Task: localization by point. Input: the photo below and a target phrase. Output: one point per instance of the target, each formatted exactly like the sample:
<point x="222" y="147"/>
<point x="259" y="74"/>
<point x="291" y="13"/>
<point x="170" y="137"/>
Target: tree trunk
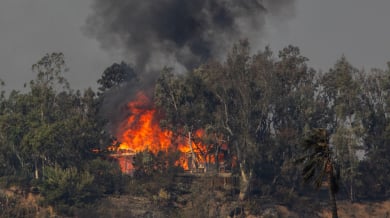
<point x="332" y="194"/>
<point x="194" y="162"/>
<point x="36" y="169"/>
<point x="18" y="156"/>
<point x="245" y="181"/>
<point x="352" y="195"/>
<point x="217" y="158"/>
<point x="352" y="174"/>
<point x="245" y="175"/>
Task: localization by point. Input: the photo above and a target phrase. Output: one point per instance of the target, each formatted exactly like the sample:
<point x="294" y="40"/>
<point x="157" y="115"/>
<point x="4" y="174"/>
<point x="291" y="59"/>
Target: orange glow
<point x="141" y="131"/>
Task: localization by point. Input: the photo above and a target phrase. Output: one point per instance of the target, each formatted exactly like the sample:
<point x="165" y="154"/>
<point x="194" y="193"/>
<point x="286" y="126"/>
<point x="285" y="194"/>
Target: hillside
<point x="190" y="195"/>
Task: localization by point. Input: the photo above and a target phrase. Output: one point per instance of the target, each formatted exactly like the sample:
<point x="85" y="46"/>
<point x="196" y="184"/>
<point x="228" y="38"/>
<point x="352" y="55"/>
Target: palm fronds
<point x="316" y="157"/>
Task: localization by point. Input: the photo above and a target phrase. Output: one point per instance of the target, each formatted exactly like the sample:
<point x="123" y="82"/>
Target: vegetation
<point x="319" y="162"/>
<point x="271" y="111"/>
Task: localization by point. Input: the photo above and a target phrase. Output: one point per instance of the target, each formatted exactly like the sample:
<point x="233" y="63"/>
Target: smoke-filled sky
<point x="182" y="33"/>
<point x="91" y="38"/>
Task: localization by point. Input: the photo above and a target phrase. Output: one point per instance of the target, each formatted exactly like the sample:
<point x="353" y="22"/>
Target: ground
<point x="195" y="196"/>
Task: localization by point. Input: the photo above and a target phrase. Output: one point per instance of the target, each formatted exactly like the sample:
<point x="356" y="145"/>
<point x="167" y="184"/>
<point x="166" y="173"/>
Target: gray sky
<point x="324" y="30"/>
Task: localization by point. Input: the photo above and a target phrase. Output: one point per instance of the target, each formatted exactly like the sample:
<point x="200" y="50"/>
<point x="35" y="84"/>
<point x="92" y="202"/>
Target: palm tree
<point x="318" y="162"/>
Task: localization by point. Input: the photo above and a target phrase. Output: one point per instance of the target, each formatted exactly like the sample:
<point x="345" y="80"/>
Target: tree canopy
<point x="260" y="107"/>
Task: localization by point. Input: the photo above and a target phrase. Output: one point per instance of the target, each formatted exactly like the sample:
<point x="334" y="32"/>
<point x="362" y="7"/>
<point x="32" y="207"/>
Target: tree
<point x="2" y="92"/>
<point x="343" y="87"/>
<point x="291" y="90"/>
<point x="242" y="94"/>
<point x="374" y="173"/>
<point x="3" y="158"/>
<point x="187" y="106"/>
<point x="64" y="188"/>
<point x="347" y="142"/>
<point x="49" y="126"/>
<point x="49" y="78"/>
<point x="116" y="75"/>
<point x="107" y="176"/>
<point x="13" y="126"/>
<point x="49" y="70"/>
<point x="318" y="162"/>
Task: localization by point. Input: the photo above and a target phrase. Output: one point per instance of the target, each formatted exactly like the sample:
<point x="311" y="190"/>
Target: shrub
<point x="66" y="188"/>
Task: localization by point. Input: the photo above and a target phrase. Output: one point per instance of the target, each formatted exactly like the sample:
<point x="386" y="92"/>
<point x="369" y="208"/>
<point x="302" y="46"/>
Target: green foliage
<point x="107" y="176"/>
<point x="373" y="174"/>
<point x="241" y="107"/>
<point x="147" y="164"/>
<point x="49" y="70"/>
<point x="116" y="75"/>
<point x="374" y="177"/>
<point x="50" y="125"/>
<point x="68" y="187"/>
<point x="2" y="92"/>
<point x="318" y="162"/>
<point x="258" y="105"/>
<point x="317" y="157"/>
<point x="154" y="175"/>
<point x="47" y="136"/>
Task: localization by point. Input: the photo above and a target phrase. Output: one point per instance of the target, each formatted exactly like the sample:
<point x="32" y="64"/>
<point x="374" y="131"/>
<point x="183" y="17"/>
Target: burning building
<point x="140" y="131"/>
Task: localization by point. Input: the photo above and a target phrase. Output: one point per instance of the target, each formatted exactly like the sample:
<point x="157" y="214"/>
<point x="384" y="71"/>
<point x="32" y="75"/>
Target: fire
<point x="141" y="131"/>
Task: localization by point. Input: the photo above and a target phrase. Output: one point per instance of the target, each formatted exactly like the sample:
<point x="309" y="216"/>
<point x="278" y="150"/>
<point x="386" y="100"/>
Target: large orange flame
<point x="141" y="131"/>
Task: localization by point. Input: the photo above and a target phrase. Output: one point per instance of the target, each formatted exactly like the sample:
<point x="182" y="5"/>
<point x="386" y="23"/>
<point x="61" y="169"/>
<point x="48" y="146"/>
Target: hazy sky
<point x="324" y="30"/>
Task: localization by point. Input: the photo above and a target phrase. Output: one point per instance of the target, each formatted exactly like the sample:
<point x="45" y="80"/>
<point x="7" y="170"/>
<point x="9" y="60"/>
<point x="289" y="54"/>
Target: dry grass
<point x="367" y="209"/>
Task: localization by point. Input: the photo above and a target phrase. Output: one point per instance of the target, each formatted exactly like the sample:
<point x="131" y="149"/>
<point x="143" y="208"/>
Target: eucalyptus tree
<point x="376" y="91"/>
<point x="11" y="127"/>
<point x="49" y="78"/>
<point x="243" y="110"/>
<point x="51" y="125"/>
<point x="187" y="106"/>
<point x="374" y="177"/>
<point x="292" y="95"/>
<point x="342" y="87"/>
<point x="258" y="103"/>
<point x="293" y="89"/>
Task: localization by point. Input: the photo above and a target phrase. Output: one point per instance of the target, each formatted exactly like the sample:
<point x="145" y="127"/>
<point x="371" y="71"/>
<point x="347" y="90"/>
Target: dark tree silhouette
<point x="318" y="163"/>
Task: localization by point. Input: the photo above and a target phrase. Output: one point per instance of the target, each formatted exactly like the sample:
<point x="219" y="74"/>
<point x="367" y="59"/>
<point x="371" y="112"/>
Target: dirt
<point x="364" y="209"/>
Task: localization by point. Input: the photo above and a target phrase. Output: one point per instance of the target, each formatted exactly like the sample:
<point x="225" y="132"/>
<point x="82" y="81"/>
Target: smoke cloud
<point x="176" y="33"/>
<point x="179" y="33"/>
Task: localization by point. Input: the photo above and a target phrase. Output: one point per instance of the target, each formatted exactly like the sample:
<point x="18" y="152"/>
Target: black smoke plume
<point x="176" y="33"/>
<point x="179" y="33"/>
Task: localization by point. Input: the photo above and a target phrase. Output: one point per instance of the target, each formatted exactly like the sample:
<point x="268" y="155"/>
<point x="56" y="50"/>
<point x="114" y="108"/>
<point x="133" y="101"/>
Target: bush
<point x="67" y="188"/>
<point x="147" y="164"/>
<point x="107" y="176"/>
